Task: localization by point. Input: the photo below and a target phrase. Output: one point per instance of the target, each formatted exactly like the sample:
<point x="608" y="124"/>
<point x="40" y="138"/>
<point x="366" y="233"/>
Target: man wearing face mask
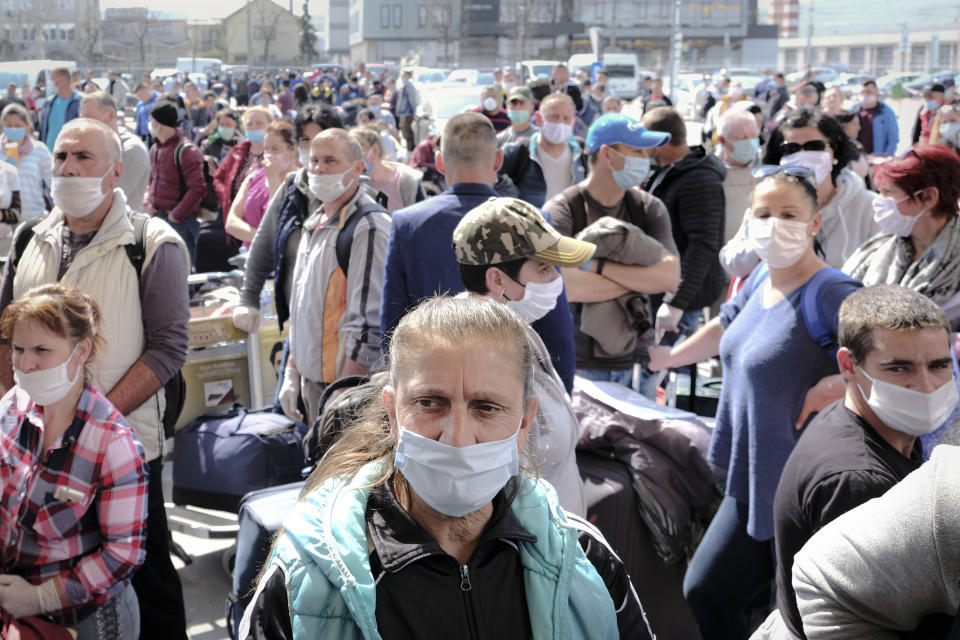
<point x="895" y="361"/>
<point x="738" y="145"/>
<point x="619" y="149"/>
<point x="690" y="183"/>
<point x="490" y="106"/>
<point x="552" y="160"/>
<point x="336" y="329"/>
<point x="101" y="106"/>
<point x="934" y="97"/>
<point x="82" y="242"/>
<point x="177" y="185"/>
<point x="879" y="130"/>
<point x="520" y="112"/>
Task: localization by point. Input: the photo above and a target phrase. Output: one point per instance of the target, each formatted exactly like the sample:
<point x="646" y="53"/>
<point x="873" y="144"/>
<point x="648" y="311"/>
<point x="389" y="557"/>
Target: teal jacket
<point x="324" y="555"/>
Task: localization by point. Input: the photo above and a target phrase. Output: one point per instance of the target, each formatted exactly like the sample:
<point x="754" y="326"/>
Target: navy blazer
<point x="421" y="263"/>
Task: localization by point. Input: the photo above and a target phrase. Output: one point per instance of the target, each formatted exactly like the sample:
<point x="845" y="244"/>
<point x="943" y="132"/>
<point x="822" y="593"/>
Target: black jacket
<point x="692" y="190"/>
<point x="422" y="592"/>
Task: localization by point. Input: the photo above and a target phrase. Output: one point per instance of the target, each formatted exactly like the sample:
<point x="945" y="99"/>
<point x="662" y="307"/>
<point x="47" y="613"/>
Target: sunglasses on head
<point x="789" y="148"/>
<point x="794" y="171"/>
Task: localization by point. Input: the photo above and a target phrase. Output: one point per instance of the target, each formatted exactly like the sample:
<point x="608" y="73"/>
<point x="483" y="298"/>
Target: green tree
<point x="308" y="35"/>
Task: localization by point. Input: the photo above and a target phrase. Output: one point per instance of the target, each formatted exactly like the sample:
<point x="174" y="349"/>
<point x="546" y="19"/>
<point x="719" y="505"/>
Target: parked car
<point x="825" y="75"/>
<point x="470" y="77"/>
<point x="887" y="83"/>
<point x="423" y="76"/>
<point x="688" y="85"/>
<point x="915" y="87"/>
<point x="849" y="83"/>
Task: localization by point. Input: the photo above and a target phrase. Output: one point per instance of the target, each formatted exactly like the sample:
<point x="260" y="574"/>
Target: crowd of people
<point x="553" y="232"/>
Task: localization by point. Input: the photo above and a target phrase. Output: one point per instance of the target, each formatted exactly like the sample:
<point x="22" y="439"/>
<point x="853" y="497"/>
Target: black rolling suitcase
<point x="612" y="507"/>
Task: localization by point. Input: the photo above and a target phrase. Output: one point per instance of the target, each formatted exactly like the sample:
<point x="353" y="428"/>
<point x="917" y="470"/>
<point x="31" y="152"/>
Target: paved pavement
<point x="206" y="582"/>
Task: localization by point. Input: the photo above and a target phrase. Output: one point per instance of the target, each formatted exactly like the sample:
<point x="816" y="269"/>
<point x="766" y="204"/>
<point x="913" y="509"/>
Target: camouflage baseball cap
<point x="505" y="229"/>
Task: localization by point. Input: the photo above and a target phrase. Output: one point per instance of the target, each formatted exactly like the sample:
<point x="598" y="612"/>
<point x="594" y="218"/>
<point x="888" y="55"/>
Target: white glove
<point x="290" y="393"/>
<point x="20" y="599"/>
<point x="246" y="318"/>
<point x="668" y="319"/>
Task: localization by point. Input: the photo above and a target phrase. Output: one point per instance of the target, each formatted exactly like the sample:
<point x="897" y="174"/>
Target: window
<point x="884" y="59"/>
<point x="397" y="16"/>
<point x="945" y="57"/>
<point x="790" y="58"/>
<point x="423" y="20"/>
<point x="385" y="16"/>
<point x="918" y="57"/>
<point x="833" y="54"/>
<point x="857" y="58"/>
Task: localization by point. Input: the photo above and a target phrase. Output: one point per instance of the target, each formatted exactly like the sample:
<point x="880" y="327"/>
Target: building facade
<point x="332" y="20"/>
<point x="141" y="36"/>
<point x="876" y="52"/>
<point x="269" y="31"/>
<point x="55" y="29"/>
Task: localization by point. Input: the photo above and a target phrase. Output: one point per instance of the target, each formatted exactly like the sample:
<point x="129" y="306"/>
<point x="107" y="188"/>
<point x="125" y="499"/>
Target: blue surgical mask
<point x="634" y="171"/>
<point x="255" y="136"/>
<point x="518" y="116"/>
<point x="933" y="105"/>
<point x="226" y="133"/>
<point x="745" y="151"/>
<point x="375" y="109"/>
<point x="14" y="134"/>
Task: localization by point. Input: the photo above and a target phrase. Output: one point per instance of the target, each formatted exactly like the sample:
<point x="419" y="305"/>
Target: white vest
<point x="103" y="270"/>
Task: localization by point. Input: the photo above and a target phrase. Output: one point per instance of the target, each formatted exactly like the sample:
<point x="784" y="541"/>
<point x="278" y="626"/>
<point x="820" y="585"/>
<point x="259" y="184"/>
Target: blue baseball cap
<point x="613" y="128"/>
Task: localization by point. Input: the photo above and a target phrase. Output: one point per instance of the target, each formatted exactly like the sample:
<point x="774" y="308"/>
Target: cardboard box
<point x="216" y="378"/>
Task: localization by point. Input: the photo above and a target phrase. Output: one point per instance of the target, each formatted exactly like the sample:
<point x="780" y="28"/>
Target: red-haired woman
<point x="919" y="246"/>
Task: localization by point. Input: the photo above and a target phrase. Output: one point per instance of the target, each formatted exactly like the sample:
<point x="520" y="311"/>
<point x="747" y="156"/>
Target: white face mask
<point x="48" y="386"/>
<point x="908" y="411"/>
<point x="304" y="156"/>
<point x="328" y="187"/>
<point x="818" y="161"/>
<point x="780" y="242"/>
<point x="890" y="220"/>
<point x="78" y="197"/>
<point x="456" y="480"/>
<point x="556" y="132"/>
<point x="152" y="127"/>
<point x="539" y="298"/>
<point x="489" y="104"/>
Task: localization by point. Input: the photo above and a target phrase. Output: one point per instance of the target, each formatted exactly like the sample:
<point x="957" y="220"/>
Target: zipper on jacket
<point x="465" y="588"/>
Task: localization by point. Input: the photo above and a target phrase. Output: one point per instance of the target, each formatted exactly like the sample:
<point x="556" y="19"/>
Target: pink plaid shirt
<point x="81" y="514"/>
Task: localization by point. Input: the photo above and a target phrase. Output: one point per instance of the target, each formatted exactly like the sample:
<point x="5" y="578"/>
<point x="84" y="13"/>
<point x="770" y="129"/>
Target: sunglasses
<point x="789" y="148"/>
<point x="794" y="171"/>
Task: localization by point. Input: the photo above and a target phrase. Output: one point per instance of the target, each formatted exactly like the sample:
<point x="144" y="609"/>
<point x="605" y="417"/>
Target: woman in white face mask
<point x="279" y="159"/>
<point x="919" y="246"/>
<point x="522" y="273"/>
<point x="811" y="139"/>
<point x="776" y="376"/>
<point x="423" y="515"/>
<point x="73" y="482"/>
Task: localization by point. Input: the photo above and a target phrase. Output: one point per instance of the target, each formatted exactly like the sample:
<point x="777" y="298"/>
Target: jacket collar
<point x="116" y="225"/>
<point x="399" y="540"/>
<point x="471" y="189"/>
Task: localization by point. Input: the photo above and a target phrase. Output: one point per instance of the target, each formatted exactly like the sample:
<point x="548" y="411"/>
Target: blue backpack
<point x="811" y="307"/>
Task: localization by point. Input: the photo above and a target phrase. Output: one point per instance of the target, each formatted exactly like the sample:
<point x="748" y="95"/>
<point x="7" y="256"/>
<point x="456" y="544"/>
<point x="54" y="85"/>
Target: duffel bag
<point x="220" y="457"/>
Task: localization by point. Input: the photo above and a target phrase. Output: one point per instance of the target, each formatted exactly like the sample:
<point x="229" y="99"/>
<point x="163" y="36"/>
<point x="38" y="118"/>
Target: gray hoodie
<point x="879" y="569"/>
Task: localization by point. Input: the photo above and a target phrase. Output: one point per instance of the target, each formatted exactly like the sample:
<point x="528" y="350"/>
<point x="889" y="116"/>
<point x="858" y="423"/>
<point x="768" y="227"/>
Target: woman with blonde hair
<point x="421" y="517"/>
<point x="279" y="159"/>
<point x="73" y="481"/>
<point x="244" y="158"/>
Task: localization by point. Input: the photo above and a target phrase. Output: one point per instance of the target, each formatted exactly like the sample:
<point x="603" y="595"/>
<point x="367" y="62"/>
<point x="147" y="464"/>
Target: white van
<point x="29" y="72"/>
<point x="625" y="74"/>
<point x="199" y="65"/>
<point x="581" y="62"/>
<point x="532" y="69"/>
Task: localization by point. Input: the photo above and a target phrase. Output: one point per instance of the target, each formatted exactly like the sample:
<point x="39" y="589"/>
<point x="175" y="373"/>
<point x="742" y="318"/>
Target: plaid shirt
<point x="80" y="515"/>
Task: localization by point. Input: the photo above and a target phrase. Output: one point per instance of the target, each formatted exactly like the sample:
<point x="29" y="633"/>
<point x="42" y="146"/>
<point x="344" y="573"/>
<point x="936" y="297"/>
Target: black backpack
<point x="175" y="390"/>
<point x="342" y="412"/>
<point x="210" y="200"/>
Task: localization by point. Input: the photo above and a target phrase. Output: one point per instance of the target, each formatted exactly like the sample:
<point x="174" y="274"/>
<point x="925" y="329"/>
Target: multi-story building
<point x="332" y="20"/>
<point x="55" y="29"/>
<point x="714" y="33"/>
<point x="786" y="15"/>
<point x="138" y="35"/>
<point x="269" y="31"/>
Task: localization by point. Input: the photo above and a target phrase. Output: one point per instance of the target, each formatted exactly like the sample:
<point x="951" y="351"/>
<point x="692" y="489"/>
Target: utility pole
<point x="676" y="51"/>
<point x="249" y="36"/>
<point x="904" y="46"/>
<point x="808" y="54"/>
